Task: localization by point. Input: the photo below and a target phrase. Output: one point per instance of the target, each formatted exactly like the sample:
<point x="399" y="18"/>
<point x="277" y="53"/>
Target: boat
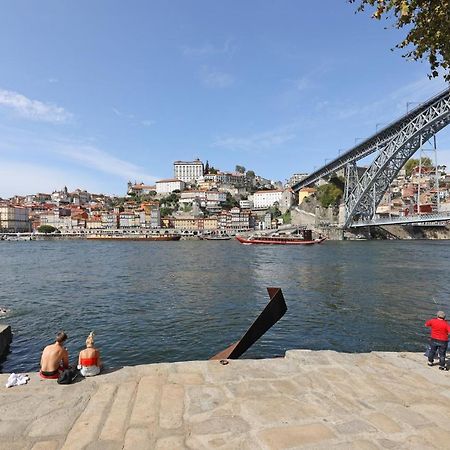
<point x="130" y="237"/>
<point x="303" y="237"/>
<point x="216" y="237"/>
<point x="17" y="238"/>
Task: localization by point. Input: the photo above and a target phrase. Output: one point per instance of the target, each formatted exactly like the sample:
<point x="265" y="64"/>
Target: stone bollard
<point x="5" y="338"/>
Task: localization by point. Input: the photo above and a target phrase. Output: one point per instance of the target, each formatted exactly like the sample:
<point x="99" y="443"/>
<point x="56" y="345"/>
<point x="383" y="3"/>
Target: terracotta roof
<point x="170" y="180"/>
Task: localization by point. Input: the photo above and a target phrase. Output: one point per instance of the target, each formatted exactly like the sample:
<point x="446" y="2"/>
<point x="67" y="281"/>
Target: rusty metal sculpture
<point x="272" y="313"/>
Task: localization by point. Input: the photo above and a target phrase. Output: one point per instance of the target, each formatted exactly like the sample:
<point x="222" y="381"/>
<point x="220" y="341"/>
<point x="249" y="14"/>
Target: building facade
<point x="188" y="171"/>
<point x="266" y="199"/>
<point x="168" y="186"/>
<point x="14" y="218"/>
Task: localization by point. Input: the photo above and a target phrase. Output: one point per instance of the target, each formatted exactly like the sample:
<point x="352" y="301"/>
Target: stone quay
<point x="308" y="399"/>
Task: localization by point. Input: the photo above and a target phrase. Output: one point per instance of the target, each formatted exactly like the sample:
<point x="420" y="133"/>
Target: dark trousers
<point x="441" y="348"/>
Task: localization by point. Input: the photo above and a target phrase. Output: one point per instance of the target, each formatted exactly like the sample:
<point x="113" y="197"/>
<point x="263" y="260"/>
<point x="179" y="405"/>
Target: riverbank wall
<point x="308" y="399"/>
<point x="5" y="338"/>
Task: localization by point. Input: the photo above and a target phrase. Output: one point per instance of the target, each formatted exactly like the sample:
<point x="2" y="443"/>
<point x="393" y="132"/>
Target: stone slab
<point x="311" y="400"/>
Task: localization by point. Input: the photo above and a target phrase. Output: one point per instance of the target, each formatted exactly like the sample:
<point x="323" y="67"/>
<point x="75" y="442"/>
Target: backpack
<point x="68" y="376"/>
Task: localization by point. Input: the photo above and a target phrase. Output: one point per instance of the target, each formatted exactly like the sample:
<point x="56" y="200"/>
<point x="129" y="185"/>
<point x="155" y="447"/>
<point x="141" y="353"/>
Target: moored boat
<point x="130" y="237"/>
<point x="302" y="238"/>
<point x="217" y="237"/>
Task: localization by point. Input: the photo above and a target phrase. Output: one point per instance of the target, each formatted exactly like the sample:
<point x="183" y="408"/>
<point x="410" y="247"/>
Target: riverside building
<point x="14" y="218"/>
<point x="266" y="199"/>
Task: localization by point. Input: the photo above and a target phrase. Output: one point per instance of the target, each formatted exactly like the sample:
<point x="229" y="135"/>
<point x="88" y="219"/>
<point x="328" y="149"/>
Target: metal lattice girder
<point x="372" y="144"/>
<point x="364" y="195"/>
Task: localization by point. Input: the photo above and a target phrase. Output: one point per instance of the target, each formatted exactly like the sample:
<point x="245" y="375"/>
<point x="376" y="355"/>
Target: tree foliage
<point x="275" y="210"/>
<point x="428" y="24"/>
<point x="411" y="163"/>
<point x="166" y="211"/>
<point x="329" y="194"/>
<point x="287" y="217"/>
<point x="46" y="229"/>
<point x="240" y="169"/>
<point x="230" y="202"/>
<point x="250" y="174"/>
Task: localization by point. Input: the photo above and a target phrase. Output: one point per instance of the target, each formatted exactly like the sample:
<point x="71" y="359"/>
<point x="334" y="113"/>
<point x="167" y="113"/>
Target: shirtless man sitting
<point x="55" y="358"/>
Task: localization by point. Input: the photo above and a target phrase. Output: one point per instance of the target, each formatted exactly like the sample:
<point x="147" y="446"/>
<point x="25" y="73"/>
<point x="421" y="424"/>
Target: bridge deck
<point x="369" y="145"/>
<point x="439" y="218"/>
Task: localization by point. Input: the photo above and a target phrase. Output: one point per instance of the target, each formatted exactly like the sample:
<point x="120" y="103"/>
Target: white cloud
<point x="19" y="178"/>
<point x="33" y="109"/>
<point x="391" y="105"/>
<point x="208" y="49"/>
<point x="215" y="79"/>
<point x="81" y="162"/>
<point x="302" y="83"/>
<point x="133" y="119"/>
<point x="97" y="159"/>
<point x="259" y="141"/>
<point x="53" y="80"/>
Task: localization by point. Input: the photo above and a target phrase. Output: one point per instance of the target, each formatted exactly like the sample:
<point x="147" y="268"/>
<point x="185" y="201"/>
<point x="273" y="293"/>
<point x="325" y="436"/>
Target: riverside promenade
<point x="309" y="399"/>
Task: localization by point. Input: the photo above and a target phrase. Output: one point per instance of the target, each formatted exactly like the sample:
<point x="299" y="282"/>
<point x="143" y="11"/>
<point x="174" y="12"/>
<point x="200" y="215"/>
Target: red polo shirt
<point x="439" y="329"/>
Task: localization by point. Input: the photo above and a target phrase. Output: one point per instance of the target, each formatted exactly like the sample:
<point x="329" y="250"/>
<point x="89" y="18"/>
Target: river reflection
<point x="172" y="301"/>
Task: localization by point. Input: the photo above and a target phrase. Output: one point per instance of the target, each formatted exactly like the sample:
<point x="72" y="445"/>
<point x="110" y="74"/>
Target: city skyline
<point x="94" y="95"/>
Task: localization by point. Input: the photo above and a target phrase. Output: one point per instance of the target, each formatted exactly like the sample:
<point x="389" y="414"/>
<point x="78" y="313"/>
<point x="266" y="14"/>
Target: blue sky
<point x="94" y="93"/>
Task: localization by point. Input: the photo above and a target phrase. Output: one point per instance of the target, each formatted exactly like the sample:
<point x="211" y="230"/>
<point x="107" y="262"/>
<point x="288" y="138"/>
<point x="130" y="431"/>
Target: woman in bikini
<point x="89" y="361"/>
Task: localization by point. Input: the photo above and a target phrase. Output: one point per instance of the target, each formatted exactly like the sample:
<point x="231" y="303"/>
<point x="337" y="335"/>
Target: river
<point x="172" y="301"/>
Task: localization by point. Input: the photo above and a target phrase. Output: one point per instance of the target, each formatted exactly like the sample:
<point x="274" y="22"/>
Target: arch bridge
<point x="393" y="145"/>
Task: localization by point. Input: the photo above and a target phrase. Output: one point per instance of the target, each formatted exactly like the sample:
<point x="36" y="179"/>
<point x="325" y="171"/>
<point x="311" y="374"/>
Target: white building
<point x="296" y="177"/>
<point x="59" y="218"/>
<point x="266" y="199"/>
<point x="110" y="220"/>
<point x="14" y="218"/>
<point x="246" y="204"/>
<point x="129" y="219"/>
<point x="206" y="199"/>
<point x="168" y="186"/>
<point x="188" y="171"/>
<point x="232" y="178"/>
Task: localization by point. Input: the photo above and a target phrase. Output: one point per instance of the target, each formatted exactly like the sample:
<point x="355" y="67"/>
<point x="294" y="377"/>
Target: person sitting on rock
<point x="55" y="358"/>
<point x="89" y="361"/>
<point x="438" y="339"/>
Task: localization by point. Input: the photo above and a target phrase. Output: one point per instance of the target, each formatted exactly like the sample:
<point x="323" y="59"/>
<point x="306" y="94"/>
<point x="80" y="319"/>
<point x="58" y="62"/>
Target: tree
<point x="329" y="194"/>
<point x="240" y="169"/>
<point x="411" y="163"/>
<point x="250" y="174"/>
<point x="230" y="202"/>
<point x="428" y="23"/>
<point x="287" y="217"/>
<point x="274" y="210"/>
<point x="165" y="211"/>
<point x="206" y="168"/>
<point x="46" y="229"/>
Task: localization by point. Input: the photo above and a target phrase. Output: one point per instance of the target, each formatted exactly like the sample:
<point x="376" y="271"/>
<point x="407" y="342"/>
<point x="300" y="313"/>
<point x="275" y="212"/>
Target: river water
<point x="172" y="301"/>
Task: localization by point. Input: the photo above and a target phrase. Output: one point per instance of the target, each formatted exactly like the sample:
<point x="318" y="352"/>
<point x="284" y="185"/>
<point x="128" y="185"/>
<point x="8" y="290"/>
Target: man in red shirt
<point x="438" y="339"/>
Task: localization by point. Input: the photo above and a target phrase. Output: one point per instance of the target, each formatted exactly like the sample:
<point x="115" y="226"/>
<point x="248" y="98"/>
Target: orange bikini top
<point x="86" y="362"/>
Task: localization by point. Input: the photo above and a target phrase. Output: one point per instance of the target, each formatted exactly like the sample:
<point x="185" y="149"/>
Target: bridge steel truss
<point x="394" y="145"/>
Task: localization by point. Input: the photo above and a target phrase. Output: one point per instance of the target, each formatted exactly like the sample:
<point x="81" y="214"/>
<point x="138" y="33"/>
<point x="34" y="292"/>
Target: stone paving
<point x="316" y="400"/>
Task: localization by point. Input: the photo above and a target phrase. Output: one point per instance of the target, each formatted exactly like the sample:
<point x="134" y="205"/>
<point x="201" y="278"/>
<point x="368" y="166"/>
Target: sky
<point x="96" y="93"/>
